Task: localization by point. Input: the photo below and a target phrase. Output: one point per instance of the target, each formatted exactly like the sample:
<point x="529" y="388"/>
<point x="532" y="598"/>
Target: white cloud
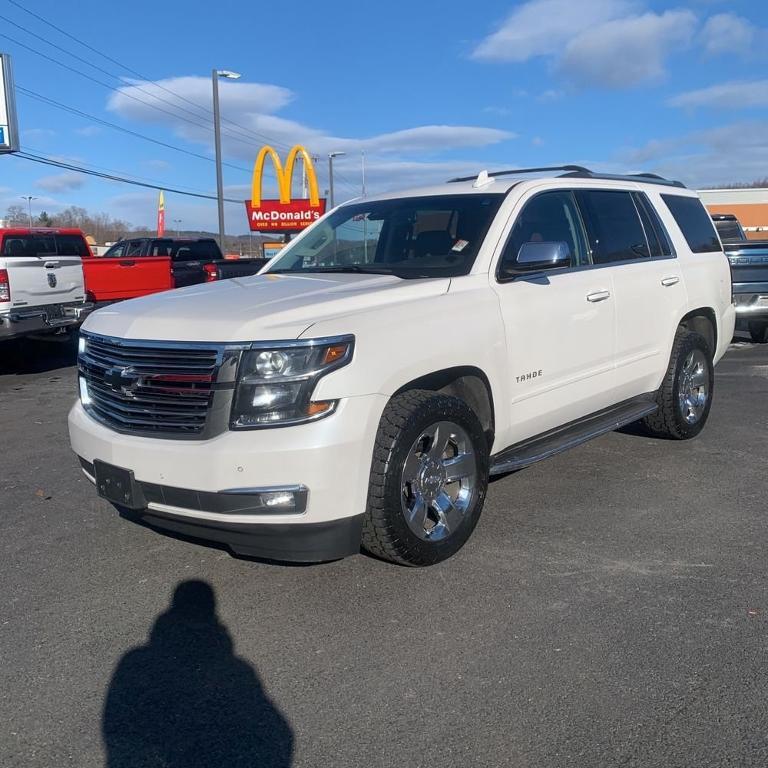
<point x="61" y="182"/>
<point x="253" y="106"/>
<point x="88" y="131"/>
<point x="726" y="33"/>
<point x="37" y="133"/>
<point x="731" y="153"/>
<point x="550" y="95"/>
<point x="543" y="27"/>
<point x="739" y="94"/>
<point x="627" y="52"/>
<point x="608" y="43"/>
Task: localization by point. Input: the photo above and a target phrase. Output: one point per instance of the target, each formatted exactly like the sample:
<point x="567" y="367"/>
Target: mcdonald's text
<point x="276" y="216"/>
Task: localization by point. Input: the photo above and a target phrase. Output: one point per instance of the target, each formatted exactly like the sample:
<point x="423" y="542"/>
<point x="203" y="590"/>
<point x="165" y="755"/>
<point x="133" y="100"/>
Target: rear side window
<point x="205" y="251"/>
<point x="658" y="239"/>
<point x="694" y="222"/>
<point x="613" y="225"/>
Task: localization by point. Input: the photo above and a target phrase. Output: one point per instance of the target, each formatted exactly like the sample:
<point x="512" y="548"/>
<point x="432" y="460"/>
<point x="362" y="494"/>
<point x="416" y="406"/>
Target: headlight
<point x="275" y="383"/>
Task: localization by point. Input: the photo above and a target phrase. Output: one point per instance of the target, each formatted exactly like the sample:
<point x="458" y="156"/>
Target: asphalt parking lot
<point x="610" y="610"/>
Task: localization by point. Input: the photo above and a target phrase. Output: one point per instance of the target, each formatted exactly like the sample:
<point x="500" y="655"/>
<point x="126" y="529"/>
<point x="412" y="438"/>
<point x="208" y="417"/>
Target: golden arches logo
<point x="284" y="175"/>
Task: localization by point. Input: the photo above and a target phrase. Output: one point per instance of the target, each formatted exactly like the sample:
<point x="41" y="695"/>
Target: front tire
<point x="429" y="477"/>
<point x="685" y="395"/>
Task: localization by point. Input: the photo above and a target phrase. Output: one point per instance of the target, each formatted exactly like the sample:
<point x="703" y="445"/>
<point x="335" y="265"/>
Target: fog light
<point x="81" y="344"/>
<point x="278" y="499"/>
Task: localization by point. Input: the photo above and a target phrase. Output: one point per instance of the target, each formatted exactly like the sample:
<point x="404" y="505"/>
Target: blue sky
<point x="426" y="89"/>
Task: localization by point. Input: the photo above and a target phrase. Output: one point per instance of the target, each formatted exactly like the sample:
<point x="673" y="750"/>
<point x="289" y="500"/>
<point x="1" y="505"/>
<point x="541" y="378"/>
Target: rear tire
<point x="685" y="395"/>
<point x="429" y="477"/>
<point x="758" y="332"/>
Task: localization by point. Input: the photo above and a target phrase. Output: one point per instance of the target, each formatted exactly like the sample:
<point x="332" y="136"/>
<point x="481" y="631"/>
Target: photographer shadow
<point x="185" y="699"/>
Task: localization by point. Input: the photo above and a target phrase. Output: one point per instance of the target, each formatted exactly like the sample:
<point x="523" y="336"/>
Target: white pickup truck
<point x="41" y="280"/>
<point x="361" y="390"/>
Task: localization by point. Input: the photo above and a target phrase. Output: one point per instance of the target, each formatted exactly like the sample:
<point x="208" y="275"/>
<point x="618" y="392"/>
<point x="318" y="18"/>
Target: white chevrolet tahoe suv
<point x="361" y="390"/>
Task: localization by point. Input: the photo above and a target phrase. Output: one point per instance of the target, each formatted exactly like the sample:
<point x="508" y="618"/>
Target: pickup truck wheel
<point x="758" y="332"/>
<point x="429" y="477"/>
<point x="685" y="396"/>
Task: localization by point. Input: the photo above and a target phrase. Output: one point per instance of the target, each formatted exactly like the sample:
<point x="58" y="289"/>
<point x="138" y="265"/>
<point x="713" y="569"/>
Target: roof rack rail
<point x="518" y="171"/>
<point x="578" y="172"/>
<point x="646" y="178"/>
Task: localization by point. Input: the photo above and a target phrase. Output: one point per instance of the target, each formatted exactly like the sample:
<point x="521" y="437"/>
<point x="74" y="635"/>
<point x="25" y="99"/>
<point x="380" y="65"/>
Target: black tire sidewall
<point x="691" y="342"/>
<point x="438" y="408"/>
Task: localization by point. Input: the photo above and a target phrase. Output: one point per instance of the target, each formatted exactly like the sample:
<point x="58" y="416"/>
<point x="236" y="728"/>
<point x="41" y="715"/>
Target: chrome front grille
<point x="148" y="388"/>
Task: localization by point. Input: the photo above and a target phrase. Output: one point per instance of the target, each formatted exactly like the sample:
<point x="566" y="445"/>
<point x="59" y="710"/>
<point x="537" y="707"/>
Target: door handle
<point x="51" y="265"/>
<point x="598" y="296"/>
<point x="672" y="280"/>
<point x="127" y="263"/>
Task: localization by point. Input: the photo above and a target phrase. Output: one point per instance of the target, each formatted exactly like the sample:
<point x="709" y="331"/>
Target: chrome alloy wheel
<point x="693" y="386"/>
<point x="438" y="481"/>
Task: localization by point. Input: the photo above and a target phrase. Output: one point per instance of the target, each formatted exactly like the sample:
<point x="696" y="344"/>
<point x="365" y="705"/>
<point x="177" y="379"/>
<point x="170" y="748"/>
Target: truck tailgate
<point x="39" y="281"/>
<point x="112" y="279"/>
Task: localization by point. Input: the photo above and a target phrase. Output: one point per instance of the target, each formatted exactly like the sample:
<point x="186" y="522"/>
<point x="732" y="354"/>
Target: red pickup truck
<point x="110" y="279"/>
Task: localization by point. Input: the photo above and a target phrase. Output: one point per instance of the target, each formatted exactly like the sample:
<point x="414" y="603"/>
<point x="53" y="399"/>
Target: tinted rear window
<point x="44" y="245"/>
<point x="694" y="222"/>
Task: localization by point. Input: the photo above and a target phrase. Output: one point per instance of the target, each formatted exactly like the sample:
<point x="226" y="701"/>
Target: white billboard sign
<point x="9" y="128"/>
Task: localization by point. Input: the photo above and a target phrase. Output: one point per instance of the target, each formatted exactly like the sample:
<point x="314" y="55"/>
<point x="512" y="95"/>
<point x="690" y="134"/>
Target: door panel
<point x="561" y="348"/>
<point x="650" y="300"/>
<point x="560" y="323"/>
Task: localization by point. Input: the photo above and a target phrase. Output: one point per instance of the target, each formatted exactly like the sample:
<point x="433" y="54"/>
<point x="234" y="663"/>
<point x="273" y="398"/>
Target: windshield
<point x="409" y="237"/>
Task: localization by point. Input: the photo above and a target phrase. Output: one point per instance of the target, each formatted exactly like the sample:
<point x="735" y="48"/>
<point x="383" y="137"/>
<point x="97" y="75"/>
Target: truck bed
<point x="115" y="279"/>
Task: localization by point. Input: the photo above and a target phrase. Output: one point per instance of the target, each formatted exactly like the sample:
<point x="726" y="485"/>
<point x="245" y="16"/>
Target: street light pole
<point x="215" y="75"/>
<point x="29" y="200"/>
<point x="177" y="222"/>
<point x="331" y="155"/>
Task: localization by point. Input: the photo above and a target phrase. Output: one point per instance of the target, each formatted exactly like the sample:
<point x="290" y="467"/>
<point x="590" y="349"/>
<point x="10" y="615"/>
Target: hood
<point x="261" y="307"/>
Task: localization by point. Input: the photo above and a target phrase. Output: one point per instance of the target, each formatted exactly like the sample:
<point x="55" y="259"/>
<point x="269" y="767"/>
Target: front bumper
<point x="24" y="321"/>
<point x="331" y="458"/>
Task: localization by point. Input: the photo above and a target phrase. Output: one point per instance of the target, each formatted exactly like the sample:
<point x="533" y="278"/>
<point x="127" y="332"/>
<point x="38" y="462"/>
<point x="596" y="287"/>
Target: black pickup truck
<point x="192" y="260"/>
<point x="749" y="272"/>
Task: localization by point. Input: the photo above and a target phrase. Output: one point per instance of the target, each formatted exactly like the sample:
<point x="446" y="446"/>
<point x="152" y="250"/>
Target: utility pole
<point x="29" y="200"/>
<point x="362" y="161"/>
<point x="215" y="75"/>
<point x="331" y="155"/>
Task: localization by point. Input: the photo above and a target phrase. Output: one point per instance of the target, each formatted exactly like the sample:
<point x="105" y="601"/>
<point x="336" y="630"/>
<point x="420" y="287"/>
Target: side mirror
<point x="545" y="255"/>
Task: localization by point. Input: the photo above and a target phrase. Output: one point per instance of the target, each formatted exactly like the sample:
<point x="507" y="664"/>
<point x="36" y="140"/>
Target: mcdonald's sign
<point x="284" y="214"/>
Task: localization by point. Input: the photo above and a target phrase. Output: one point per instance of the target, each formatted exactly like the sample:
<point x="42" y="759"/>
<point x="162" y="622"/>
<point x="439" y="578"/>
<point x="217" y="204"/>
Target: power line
<point x="92" y="166"/>
<point x="260" y="136"/>
<point x="109" y="87"/>
<point x="72" y="110"/>
<point x="113" y="177"/>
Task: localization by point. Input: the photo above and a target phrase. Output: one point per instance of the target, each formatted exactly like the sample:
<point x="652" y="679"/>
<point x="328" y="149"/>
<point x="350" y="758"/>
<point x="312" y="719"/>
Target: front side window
<point x="550" y="221"/>
<point x="613" y="225"/>
<point x="436" y="236"/>
<point x="117" y="251"/>
<point x="134" y="248"/>
<point x="694" y="222"/>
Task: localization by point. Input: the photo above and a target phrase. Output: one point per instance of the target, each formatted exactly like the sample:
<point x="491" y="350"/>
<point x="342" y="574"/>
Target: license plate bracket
<point x="118" y="485"/>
